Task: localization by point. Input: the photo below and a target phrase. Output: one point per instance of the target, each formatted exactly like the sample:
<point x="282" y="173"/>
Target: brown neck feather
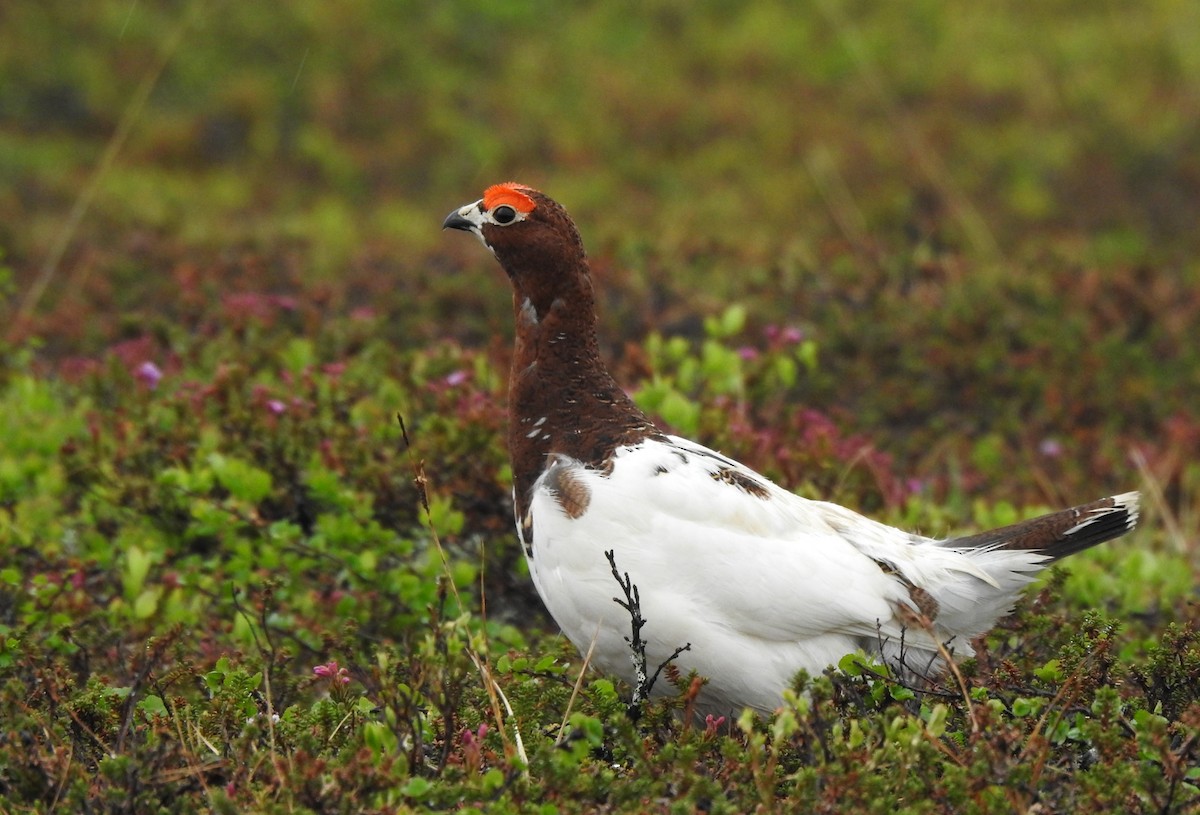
<point x="561" y="399"/>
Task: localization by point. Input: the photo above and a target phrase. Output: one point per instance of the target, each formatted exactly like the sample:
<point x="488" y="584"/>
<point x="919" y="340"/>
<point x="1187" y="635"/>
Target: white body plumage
<point x="760" y="582"/>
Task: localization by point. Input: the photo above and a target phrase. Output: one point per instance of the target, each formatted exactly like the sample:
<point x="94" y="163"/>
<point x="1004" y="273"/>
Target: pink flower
<point x="792" y="335"/>
<point x="473" y="747"/>
<point x="275" y="406"/>
<point x="330" y="670"/>
<point x="712" y="725"/>
<point x="788" y="335"/>
<point x="148" y="374"/>
<point x="471" y="738"/>
<point x="457" y="378"/>
<point x="748" y="353"/>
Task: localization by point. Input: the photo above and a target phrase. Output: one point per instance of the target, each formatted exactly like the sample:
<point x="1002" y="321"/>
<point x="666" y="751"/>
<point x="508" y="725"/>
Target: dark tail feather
<point x="1062" y="533"/>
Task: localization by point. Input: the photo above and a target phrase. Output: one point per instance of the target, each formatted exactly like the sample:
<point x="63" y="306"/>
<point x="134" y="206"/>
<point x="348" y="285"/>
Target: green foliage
<point x="897" y="256"/>
<point x="240" y="582"/>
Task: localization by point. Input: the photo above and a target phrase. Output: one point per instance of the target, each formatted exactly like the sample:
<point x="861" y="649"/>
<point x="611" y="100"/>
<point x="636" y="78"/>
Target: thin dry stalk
<point x="1154" y="490"/>
<point x="495" y="694"/>
<point x="838" y="198"/>
<point x="587" y="659"/>
<point x="84" y="202"/>
<point x="924" y="622"/>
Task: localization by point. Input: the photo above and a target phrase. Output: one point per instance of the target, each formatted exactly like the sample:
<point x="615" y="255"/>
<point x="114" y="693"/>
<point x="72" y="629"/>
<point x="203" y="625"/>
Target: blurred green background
<point x="985" y="213"/>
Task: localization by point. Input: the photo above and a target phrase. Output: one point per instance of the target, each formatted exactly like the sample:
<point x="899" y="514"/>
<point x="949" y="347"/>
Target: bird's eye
<point x="504" y="215"/>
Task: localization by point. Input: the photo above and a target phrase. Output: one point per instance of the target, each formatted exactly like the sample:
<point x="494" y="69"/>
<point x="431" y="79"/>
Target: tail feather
<point x="1061" y="533"/>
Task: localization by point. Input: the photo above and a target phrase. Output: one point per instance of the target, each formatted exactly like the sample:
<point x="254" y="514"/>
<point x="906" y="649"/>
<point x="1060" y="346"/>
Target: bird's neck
<point x="561" y="399"/>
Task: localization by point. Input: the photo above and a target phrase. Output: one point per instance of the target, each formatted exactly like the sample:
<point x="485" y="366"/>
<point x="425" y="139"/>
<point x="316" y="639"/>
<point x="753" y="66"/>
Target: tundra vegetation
<point x="935" y="261"/>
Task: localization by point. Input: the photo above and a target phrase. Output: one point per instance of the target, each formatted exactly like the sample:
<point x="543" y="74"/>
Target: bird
<point x="757" y="582"/>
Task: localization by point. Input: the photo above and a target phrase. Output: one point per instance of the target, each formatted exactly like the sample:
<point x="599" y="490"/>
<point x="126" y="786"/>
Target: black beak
<point x="456" y="221"/>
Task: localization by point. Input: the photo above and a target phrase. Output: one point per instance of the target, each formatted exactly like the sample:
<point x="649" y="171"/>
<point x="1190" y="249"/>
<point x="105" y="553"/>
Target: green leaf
<point x="785" y="371"/>
<point x="381" y="740"/>
<point x="806" y="353"/>
<point x="152" y="705"/>
<point x="1022" y="707"/>
<point x="851" y="664"/>
<point x="137" y="566"/>
<point x="936" y="725"/>
<point x="591" y="728"/>
<point x="731" y="322"/>
<point x="493" y="780"/>
<point x="299" y="355"/>
<point x="147" y="603"/>
<point x="604" y="690"/>
<point x="1050" y="672"/>
<point x="444" y="518"/>
<point x="680" y="412"/>
<point x="243" y="481"/>
<point x="416" y="787"/>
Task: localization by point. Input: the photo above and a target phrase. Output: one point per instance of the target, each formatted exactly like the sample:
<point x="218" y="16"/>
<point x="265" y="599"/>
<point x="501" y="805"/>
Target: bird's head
<point x="530" y="234"/>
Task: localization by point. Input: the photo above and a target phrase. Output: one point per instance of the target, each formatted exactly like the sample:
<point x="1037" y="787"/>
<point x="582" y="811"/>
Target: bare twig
<point x="643" y="681"/>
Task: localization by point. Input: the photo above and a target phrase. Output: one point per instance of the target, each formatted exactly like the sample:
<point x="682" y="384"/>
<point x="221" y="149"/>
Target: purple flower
<point x="275" y="406"/>
<point x="1050" y="448"/>
<point x="748" y="353"/>
<point x="457" y="378"/>
<point x="148" y="374"/>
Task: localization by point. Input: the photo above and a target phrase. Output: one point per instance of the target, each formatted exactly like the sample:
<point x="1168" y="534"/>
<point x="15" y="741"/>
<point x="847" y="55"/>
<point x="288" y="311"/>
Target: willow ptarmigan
<point x="760" y="582"/>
